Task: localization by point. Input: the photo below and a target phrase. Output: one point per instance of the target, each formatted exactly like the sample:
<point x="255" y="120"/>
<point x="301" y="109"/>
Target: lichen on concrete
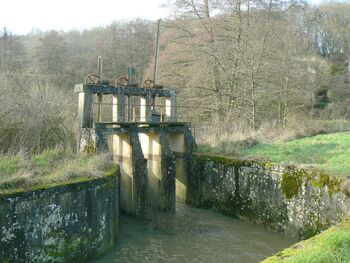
<point x="64" y="223"/>
<point x="288" y="199"/>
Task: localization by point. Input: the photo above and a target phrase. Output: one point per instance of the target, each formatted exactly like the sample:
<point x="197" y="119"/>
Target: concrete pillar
<point x="122" y="150"/>
<point x="140" y="180"/>
<point x="178" y="147"/>
<point x="133" y="169"/>
<point x="145" y="108"/>
<point x="151" y="148"/>
<point x="161" y="171"/>
<point x="168" y="107"/>
<point x="168" y="183"/>
<point x="118" y="108"/>
<point x="192" y="193"/>
<point x="142" y="109"/>
<point x="85" y="109"/>
<point x="171" y="109"/>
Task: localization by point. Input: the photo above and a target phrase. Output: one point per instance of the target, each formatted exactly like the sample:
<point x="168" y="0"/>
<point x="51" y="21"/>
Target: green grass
<point x="331" y="246"/>
<point x="327" y="152"/>
<point x="18" y="172"/>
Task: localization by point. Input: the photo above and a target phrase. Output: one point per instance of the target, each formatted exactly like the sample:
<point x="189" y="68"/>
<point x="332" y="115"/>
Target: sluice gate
<point x="151" y="147"/>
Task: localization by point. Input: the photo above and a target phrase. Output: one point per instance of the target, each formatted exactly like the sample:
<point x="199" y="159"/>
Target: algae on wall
<point x="67" y="223"/>
<point x="284" y="198"/>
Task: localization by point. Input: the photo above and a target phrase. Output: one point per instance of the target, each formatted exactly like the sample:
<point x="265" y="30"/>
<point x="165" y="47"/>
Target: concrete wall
<point x="67" y="223"/>
<point x="287" y="199"/>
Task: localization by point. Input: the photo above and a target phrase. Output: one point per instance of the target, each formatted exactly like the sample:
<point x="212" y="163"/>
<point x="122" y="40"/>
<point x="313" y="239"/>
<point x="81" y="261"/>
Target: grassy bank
<point x="331" y="246"/>
<point x="327" y="152"/>
<point x="18" y="172"/>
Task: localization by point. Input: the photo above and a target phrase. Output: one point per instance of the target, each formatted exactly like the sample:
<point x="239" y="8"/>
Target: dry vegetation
<point x="264" y="70"/>
<point x="57" y="166"/>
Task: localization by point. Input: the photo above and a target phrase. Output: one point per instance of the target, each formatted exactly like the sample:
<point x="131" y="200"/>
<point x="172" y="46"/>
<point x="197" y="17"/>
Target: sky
<point x="21" y="16"/>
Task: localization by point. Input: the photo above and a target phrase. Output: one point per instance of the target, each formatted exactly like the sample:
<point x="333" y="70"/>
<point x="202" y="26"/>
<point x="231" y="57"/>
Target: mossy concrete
<point x="70" y="222"/>
<point x="288" y="199"/>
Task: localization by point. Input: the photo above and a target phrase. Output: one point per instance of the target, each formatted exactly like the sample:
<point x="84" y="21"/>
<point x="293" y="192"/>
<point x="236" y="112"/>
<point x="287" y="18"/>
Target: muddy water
<point x="194" y="235"/>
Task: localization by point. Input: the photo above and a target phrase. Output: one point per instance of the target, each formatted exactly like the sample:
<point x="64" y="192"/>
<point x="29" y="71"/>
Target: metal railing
<point x="184" y="113"/>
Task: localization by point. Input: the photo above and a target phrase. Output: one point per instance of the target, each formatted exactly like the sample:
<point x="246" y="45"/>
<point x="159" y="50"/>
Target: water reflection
<point x="194" y="235"/>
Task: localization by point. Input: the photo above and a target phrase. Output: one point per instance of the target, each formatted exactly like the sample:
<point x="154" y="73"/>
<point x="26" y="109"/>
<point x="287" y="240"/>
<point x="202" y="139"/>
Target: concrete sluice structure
<point x="154" y="153"/>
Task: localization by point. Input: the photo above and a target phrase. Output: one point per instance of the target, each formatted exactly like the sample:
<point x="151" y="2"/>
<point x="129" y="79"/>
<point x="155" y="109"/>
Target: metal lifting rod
<point x="156" y="60"/>
<point x="156" y="55"/>
<point x="100" y="74"/>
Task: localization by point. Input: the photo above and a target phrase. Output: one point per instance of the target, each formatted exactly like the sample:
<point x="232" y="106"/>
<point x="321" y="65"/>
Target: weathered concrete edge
<point x="64" y="186"/>
<point x="291" y="186"/>
<point x="109" y="179"/>
<point x="317" y="177"/>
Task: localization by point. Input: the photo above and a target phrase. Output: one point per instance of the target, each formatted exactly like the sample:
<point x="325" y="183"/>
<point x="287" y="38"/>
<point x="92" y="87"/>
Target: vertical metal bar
<point x="100" y="74"/>
<point x="99" y="108"/>
<point x="156" y="55"/>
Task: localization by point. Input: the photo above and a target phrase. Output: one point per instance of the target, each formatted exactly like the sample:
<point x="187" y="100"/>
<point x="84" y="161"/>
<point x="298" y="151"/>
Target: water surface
<point x="194" y="235"/>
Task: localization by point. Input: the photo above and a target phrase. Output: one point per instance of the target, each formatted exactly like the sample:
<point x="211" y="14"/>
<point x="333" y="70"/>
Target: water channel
<point x="194" y="235"/>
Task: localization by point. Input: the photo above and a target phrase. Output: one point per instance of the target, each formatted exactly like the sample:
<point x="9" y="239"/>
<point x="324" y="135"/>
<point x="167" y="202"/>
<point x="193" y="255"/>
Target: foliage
<point x="240" y="64"/>
<point x="34" y="116"/>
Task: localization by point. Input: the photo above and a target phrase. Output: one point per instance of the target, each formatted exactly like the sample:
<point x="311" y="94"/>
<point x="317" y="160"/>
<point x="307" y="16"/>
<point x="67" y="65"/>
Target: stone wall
<point x="66" y="223"/>
<point x="284" y="198"/>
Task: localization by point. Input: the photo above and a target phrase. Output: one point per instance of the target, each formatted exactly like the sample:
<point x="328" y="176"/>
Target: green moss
<point x="314" y="224"/>
<point x="292" y="182"/>
<point x="112" y="170"/>
<point x="270" y="165"/>
<point x="324" y="180"/>
<point x="75" y="248"/>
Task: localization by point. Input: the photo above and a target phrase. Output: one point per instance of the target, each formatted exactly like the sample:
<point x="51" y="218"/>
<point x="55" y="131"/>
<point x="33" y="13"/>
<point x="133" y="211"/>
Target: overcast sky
<point x="21" y="16"/>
